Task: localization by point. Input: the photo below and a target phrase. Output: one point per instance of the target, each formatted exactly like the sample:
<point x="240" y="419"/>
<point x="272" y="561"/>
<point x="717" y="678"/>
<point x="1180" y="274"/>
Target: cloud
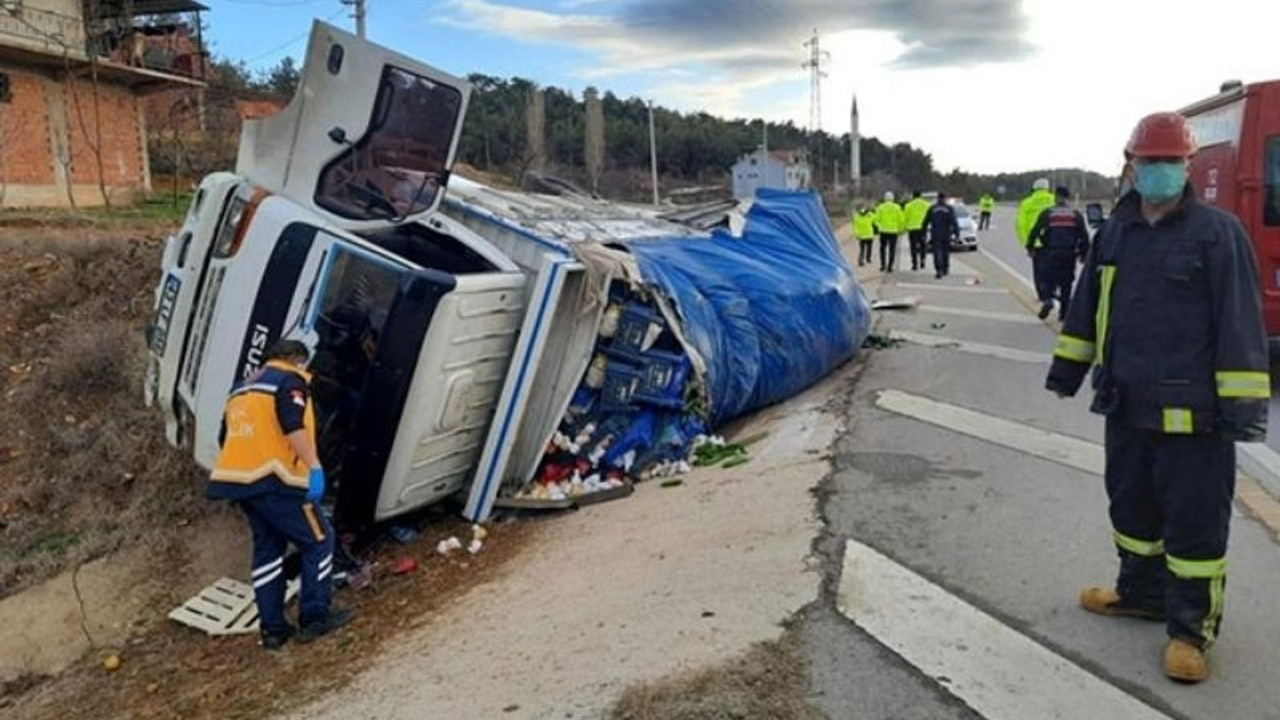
<point x="737" y="47"/>
<point x="760" y="33"/>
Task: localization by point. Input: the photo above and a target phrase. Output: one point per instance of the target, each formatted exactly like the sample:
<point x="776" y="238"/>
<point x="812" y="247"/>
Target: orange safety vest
<point x="255" y="448"/>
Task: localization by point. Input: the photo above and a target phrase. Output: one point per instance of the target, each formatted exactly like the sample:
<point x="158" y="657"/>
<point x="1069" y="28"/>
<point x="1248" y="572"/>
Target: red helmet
<point x="1162" y="134"/>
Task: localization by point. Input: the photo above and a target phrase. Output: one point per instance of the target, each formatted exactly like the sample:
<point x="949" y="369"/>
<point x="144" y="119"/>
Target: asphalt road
<point x="988" y="507"/>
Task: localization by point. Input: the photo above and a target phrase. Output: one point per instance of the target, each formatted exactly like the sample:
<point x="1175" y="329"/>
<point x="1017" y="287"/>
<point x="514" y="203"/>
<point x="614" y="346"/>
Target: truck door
<point x="368" y="138"/>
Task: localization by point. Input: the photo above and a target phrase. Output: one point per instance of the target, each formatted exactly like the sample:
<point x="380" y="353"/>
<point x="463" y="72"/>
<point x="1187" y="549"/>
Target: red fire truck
<point x="1238" y="170"/>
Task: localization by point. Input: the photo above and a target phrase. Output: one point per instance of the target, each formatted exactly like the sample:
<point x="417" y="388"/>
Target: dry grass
<point x="84" y="468"/>
<point x="769" y="681"/>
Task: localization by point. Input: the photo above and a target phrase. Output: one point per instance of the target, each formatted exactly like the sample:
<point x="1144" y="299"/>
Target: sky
<point x="983" y="85"/>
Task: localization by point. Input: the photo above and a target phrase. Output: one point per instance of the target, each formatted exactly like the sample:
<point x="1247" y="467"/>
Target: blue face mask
<point x="1160" y="181"/>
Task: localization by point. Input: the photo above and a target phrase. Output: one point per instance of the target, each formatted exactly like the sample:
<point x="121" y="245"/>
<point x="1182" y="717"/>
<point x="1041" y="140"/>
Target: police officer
<point x="942" y="227"/>
<point x="864" y="230"/>
<point x="269" y="467"/>
<point x="1169" y="316"/>
<point x="986" y="204"/>
<point x="1028" y="211"/>
<point x="889" y="223"/>
<point x="1062" y="238"/>
<point x="913" y="213"/>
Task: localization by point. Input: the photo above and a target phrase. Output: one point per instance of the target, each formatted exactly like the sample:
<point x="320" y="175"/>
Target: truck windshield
<point x="397" y="168"/>
<point x="1271" y="190"/>
<point x="356" y="296"/>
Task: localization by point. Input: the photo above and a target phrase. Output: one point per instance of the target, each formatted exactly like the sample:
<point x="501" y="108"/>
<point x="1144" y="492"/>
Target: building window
<point x="1271" y="178"/>
<point x="6" y="94"/>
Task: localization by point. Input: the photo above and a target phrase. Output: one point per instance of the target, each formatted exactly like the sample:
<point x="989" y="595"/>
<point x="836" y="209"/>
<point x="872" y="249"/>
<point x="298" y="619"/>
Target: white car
<point x="968" y="239"/>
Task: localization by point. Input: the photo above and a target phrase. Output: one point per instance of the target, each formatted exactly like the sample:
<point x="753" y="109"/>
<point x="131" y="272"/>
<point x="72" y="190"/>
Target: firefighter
<point x="270" y="469"/>
<point x="913" y="214"/>
<point x="986" y="204"/>
<point x="1063" y="236"/>
<point x="1028" y="211"/>
<point x="864" y="229"/>
<point x="1169" y="316"/>
<point x="942" y="227"/>
<point x="889" y="223"/>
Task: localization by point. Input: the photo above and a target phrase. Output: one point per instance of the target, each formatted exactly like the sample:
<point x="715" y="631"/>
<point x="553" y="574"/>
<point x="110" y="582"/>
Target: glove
<point x="315" y="485"/>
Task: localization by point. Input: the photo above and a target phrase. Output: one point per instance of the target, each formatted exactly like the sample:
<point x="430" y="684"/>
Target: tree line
<point x="693" y="148"/>
<point x="697" y="148"/>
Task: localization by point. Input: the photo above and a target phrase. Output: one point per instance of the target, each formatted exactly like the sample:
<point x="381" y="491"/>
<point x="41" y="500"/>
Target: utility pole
<point x="817" y="60"/>
<point x="653" y="155"/>
<point x="358" y="14"/>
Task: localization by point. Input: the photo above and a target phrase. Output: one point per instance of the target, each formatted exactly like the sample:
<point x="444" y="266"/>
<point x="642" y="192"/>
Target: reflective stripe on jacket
<point x="1170" y="318"/>
<point x="1061" y="228"/>
<point x="256" y="456"/>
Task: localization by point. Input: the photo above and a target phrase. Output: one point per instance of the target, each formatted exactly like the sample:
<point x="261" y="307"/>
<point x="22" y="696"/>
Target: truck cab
<point x="327" y="232"/>
<point x="1237" y="168"/>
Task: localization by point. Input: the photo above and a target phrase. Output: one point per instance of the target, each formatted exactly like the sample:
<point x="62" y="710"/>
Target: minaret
<point x="855" y="154"/>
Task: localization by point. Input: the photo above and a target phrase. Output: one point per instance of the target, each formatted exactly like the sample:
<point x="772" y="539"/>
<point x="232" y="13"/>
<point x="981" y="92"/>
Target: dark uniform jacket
<point x="941" y="223"/>
<point x="1061" y="229"/>
<point x="1170" y="319"/>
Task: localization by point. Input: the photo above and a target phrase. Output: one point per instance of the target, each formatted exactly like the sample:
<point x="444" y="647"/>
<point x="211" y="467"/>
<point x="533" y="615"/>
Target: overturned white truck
<point x="452" y="335"/>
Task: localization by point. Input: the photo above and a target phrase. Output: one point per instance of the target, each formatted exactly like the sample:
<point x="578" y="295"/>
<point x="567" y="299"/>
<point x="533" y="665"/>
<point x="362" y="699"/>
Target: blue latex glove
<point x="315" y="484"/>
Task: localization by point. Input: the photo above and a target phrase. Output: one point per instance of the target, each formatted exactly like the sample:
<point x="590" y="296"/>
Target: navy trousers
<point x="942" y="257"/>
<point x="1170" y="505"/>
<point x="276" y="521"/>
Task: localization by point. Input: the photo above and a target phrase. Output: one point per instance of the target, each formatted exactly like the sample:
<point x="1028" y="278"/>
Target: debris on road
<point x="880" y="342"/>
<point x="906" y="303"/>
<point x="447" y="546"/>
<point x="404" y="566"/>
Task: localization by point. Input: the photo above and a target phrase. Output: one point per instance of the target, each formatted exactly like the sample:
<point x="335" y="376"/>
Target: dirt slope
<point x="84" y="467"/>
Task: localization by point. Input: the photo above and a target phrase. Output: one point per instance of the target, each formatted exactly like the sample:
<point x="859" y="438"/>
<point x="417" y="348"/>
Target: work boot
<point x="335" y="620"/>
<point x="1185" y="662"/>
<point x="275" y="641"/>
<point x="1045" y="308"/>
<point x="1105" y="601"/>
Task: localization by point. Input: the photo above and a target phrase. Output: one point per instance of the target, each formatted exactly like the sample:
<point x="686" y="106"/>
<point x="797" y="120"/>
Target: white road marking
<point x="1062" y="449"/>
<point x="1020" y="318"/>
<point x="997" y="671"/>
<point x="1009" y="269"/>
<point x="972" y="289"/>
<point x="1054" y="447"/>
<point x="976" y="348"/>
<point x="1262" y="463"/>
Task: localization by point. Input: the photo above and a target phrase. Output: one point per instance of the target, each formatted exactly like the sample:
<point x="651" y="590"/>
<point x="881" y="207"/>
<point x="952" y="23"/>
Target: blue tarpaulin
<point x="770" y="312"/>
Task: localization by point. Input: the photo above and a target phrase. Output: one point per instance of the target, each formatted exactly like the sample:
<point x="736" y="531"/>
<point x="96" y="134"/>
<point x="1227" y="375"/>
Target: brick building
<point x="73" y="78"/>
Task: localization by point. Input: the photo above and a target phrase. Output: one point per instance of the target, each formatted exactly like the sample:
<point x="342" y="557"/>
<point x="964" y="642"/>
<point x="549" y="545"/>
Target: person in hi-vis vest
<point x="270" y="468"/>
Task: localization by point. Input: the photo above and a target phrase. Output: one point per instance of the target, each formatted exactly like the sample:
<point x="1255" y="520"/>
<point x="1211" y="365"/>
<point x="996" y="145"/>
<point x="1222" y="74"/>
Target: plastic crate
<point x="635" y="324"/>
<point x="620" y="385"/>
<point x="662" y="379"/>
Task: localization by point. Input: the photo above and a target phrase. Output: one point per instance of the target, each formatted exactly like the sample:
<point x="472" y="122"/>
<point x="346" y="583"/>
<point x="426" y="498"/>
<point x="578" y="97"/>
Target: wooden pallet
<point x="225" y="607"/>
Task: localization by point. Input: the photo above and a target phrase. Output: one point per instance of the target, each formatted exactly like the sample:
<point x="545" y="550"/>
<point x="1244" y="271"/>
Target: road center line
<point x="971" y="289"/>
<point x="1054" y="447"/>
<point x="1008" y="268"/>
<point x="995" y="670"/>
<point x="1020" y="318"/>
<point x="1062" y="449"/>
<point x="976" y="348"/>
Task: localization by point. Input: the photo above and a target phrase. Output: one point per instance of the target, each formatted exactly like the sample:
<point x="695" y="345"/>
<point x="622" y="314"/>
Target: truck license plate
<point x="164" y="314"/>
